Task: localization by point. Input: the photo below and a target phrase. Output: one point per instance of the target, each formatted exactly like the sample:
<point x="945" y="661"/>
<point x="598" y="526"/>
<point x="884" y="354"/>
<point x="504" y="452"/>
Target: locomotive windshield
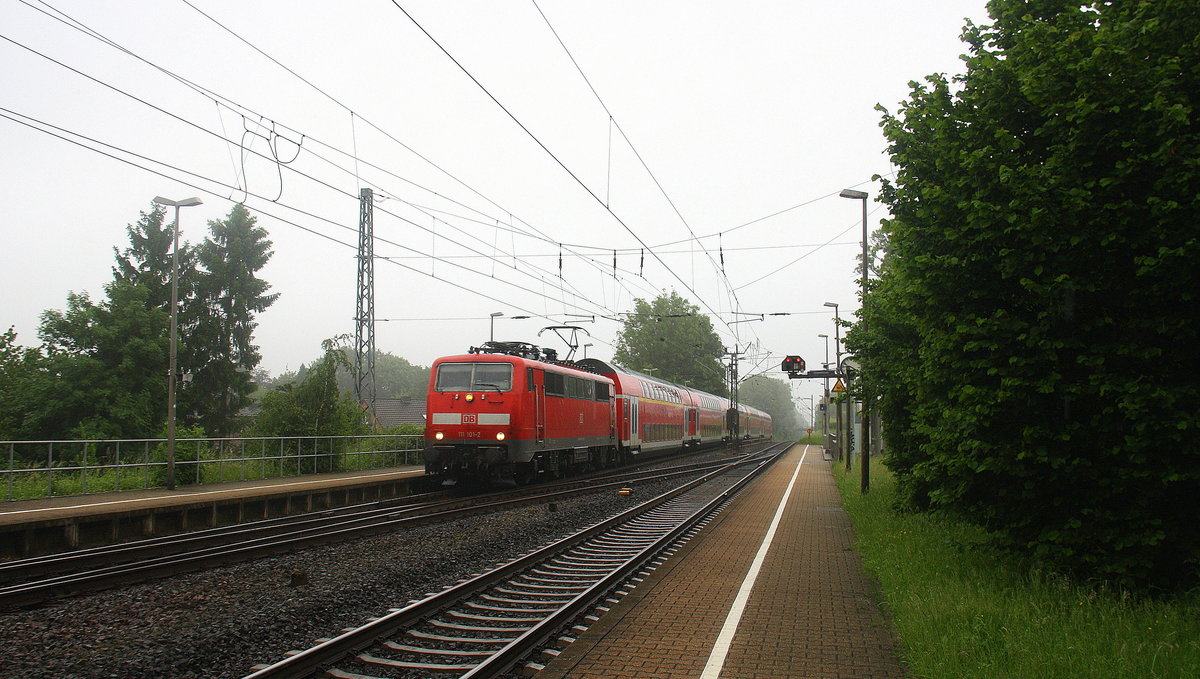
<point x="474" y="377"/>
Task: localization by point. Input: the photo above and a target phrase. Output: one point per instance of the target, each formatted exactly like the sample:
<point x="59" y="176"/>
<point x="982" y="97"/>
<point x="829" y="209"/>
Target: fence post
<point x="11" y="466"/>
<point x="50" y="471"/>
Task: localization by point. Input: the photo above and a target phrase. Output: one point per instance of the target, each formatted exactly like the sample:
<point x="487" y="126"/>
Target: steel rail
<point x="306" y="534"/>
<point x="307" y="662"/>
<point x="109" y="555"/>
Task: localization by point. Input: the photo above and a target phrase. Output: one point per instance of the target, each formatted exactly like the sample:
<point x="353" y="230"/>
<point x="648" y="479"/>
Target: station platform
<point x="54" y="524"/>
<point x="770" y="588"/>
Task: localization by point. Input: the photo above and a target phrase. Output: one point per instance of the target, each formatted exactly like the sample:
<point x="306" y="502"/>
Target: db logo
<point x="470" y="419"/>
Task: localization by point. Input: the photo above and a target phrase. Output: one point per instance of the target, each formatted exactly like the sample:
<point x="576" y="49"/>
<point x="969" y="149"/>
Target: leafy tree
<point x="314" y="406"/>
<point x="147" y="262"/>
<point x="107" y="362"/>
<point x="775" y="397"/>
<point x="672" y="337"/>
<point x="395" y="377"/>
<point x="221" y="352"/>
<point x="1032" y="337"/>
<point x="24" y="377"/>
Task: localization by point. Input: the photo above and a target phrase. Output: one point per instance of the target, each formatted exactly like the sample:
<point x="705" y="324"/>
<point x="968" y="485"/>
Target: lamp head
<point x="851" y="193"/>
<point x="186" y="202"/>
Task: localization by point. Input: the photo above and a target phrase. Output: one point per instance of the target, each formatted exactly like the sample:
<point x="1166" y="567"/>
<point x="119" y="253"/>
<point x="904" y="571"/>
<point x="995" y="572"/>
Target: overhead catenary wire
<point x="273" y="158"/>
<point x="552" y="155"/>
<point x="222" y="100"/>
<point x="338" y="102"/>
<point x="514" y="231"/>
<point x="613" y="123"/>
<point x="272" y="140"/>
<point x="245" y="112"/>
<point x="34" y="123"/>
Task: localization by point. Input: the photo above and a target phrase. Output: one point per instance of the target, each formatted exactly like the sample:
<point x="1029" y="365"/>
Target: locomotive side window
<point x="474" y="377"/>
<point x="603" y="393"/>
<point x="580" y="388"/>
<point x="555" y="384"/>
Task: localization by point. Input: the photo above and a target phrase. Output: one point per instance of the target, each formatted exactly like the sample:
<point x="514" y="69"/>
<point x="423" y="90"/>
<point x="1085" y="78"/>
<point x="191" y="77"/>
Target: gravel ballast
<point x="221" y="622"/>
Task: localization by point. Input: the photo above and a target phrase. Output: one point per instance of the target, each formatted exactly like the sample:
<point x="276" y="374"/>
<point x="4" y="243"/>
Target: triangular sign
<point x="838" y="388"/>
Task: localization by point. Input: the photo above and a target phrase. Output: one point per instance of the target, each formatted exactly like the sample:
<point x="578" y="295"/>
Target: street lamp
<point x="492" y="327"/>
<point x="837" y="330"/>
<point x="865" y="458"/>
<point x="171" y="368"/>
<point x="825" y="401"/>
<point x="585" y="347"/>
<point x="843" y="446"/>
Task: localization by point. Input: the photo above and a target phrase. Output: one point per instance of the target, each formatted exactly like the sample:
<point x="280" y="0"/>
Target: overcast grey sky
<point x="751" y="117"/>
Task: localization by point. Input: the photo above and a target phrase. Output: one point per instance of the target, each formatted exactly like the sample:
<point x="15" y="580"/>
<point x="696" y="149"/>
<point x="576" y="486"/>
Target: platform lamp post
<point x="825" y="398"/>
<point x="843" y="440"/>
<point x="172" y="368"/>
<point x="865" y="458"/>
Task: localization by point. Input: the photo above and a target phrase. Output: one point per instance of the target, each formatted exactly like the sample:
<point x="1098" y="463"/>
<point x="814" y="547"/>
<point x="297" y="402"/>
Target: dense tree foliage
<point x="314" y="406"/>
<point x="220" y="339"/>
<point x="395" y="377"/>
<point x="106" y="363"/>
<point x="101" y="371"/>
<point x="23" y="374"/>
<point x="147" y="262"/>
<point x="670" y="336"/>
<point x="775" y="397"/>
<point x="1033" y="335"/>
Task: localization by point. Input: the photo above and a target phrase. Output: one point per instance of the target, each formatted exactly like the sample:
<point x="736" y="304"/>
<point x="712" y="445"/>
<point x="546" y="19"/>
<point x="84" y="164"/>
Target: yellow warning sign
<point x="838" y="388"/>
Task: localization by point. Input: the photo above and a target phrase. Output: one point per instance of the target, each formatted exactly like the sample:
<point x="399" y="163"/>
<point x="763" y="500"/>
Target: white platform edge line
<point x="716" y="659"/>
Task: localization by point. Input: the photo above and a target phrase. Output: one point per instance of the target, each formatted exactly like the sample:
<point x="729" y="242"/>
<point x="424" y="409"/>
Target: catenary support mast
<point x="364" y="315"/>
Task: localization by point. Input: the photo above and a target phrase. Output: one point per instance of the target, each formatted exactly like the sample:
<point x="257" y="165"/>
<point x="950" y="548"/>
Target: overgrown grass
<point x="966" y="611"/>
<point x="816" y="438"/>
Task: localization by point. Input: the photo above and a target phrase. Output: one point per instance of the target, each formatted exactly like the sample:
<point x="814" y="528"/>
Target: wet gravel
<point x="221" y="622"/>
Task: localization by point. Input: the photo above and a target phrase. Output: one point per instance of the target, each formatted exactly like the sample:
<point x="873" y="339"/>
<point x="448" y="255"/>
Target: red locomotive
<point x="509" y="410"/>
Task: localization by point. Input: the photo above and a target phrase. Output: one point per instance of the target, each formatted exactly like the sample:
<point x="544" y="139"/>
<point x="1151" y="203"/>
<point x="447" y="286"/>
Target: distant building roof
<point x="390" y="412"/>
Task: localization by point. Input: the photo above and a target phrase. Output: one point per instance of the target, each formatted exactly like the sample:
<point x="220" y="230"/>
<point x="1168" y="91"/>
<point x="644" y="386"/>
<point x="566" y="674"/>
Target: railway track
<point x="31" y="581"/>
<point x="495" y="621"/>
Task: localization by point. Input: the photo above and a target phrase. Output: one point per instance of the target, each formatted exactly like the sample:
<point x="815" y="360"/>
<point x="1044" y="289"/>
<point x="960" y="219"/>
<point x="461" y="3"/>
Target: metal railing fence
<point x="38" y="469"/>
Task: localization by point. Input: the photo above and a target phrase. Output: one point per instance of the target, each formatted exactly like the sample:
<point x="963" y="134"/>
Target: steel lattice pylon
<point x="364" y="315"/>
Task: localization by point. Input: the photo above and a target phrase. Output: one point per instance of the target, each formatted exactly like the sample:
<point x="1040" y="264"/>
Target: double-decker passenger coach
<point x="511" y="411"/>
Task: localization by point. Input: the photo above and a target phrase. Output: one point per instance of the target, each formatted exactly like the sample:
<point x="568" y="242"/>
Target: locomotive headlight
<point x="470" y="397"/>
<point x="439" y="436"/>
<point x="499" y="436"/>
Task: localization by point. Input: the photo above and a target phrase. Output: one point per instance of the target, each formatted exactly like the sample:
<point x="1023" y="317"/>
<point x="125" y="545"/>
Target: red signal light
<point x="793" y="365"/>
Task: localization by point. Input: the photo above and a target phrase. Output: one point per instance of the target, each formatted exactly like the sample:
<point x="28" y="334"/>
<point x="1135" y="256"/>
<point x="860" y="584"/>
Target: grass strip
<point x="964" y="610"/>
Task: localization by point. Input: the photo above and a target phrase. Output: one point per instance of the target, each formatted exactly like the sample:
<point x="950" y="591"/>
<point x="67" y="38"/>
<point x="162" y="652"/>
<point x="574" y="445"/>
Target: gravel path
<point x="219" y="623"/>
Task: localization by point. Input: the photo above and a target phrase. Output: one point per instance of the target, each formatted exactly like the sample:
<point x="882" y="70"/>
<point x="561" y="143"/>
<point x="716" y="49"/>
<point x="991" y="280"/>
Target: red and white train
<point x="507" y="411"/>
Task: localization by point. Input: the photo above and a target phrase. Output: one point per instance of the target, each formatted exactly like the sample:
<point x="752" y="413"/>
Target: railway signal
<point x="793" y="366"/>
